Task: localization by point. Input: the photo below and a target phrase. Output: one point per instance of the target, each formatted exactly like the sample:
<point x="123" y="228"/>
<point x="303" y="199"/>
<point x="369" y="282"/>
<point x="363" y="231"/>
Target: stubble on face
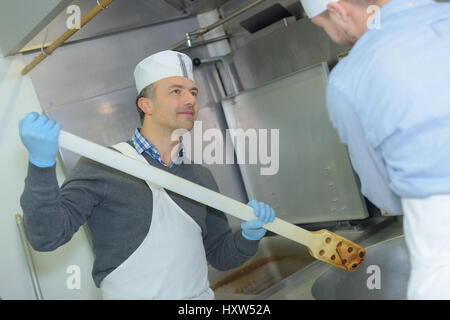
<point x="176" y="105"/>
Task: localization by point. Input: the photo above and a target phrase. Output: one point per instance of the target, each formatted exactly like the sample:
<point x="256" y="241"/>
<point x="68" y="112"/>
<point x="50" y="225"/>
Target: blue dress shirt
<point x="389" y="101"/>
<point x="142" y="144"/>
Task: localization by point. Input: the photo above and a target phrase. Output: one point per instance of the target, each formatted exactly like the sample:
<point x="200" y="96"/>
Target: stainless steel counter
<point x="283" y="269"/>
<point x="386" y="253"/>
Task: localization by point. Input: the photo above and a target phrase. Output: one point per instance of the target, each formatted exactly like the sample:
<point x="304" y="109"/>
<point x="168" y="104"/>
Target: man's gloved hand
<point x="39" y="134"/>
<point x="253" y="229"/>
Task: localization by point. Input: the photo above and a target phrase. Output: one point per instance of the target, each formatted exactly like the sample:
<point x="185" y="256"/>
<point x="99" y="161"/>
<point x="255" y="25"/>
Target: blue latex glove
<point x="39" y="134"/>
<point x="253" y="229"/>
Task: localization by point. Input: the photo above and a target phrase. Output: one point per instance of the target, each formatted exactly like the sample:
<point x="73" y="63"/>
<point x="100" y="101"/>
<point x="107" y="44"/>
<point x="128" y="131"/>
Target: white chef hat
<point x="162" y="65"/>
<point x="315" y="7"/>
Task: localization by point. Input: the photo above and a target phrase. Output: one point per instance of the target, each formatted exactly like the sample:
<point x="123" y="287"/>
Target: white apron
<point x="427" y="234"/>
<point x="170" y="264"/>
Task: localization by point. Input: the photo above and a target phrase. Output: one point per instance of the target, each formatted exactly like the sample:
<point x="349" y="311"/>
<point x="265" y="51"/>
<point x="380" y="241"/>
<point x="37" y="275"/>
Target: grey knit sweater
<point x="117" y="209"/>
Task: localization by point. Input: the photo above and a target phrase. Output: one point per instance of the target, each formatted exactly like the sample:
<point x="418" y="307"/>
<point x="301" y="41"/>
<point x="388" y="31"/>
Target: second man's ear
<point x="339" y="11"/>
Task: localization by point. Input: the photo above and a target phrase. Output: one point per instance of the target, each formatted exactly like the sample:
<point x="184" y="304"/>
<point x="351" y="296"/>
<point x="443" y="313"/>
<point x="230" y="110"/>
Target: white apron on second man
<point x="427" y="227"/>
<point x="170" y="263"/>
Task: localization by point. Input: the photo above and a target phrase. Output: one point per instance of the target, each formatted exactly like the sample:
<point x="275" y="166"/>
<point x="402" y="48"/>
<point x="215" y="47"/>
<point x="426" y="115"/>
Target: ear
<point x="146" y="105"/>
<point x="338" y="11"/>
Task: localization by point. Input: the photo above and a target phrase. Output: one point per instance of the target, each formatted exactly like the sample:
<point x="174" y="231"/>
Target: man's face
<point x="174" y="103"/>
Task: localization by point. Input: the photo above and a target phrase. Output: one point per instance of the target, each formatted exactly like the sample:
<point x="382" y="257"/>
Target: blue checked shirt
<point x="389" y="101"/>
<point x="142" y="144"/>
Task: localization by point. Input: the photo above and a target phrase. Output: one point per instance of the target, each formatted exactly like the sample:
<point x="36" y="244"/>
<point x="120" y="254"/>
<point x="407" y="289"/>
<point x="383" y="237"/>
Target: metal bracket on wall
<point x="234" y="88"/>
<point x="27" y="251"/>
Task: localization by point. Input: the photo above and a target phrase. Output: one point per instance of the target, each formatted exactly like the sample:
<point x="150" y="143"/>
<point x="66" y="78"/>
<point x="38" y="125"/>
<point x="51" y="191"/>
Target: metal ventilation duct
<point x="195" y="6"/>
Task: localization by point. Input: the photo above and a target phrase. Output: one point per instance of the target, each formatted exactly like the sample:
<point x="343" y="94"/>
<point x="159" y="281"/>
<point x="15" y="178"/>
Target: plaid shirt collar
<point x="142" y="144"/>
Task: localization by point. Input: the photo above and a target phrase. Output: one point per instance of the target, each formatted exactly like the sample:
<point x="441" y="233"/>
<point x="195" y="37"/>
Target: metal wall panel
<point x="288" y="49"/>
<point x="315" y="181"/>
<point x="228" y="176"/>
<point x="107" y="119"/>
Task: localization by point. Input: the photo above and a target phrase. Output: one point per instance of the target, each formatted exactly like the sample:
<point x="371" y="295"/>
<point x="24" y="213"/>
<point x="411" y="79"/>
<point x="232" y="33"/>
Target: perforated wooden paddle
<point x="336" y="250"/>
<point x="323" y="245"/>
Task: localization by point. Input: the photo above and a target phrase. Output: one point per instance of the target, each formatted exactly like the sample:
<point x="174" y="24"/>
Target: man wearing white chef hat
<point x="389" y="102"/>
<point x="344" y="21"/>
<point x="149" y="243"/>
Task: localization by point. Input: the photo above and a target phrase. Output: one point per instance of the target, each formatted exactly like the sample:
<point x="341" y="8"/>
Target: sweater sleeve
<point x="225" y="249"/>
<point x="52" y="214"/>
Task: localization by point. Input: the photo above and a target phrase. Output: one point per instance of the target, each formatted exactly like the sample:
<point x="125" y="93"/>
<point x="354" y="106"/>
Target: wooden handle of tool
<point x="187" y="188"/>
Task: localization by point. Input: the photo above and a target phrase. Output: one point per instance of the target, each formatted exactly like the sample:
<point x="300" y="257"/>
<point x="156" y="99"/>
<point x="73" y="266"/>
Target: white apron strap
<point x="170" y="263"/>
<point x="127" y="150"/>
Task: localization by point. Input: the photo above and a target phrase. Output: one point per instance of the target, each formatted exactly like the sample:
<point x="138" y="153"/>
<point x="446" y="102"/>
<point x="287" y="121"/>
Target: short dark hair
<point x="147" y="92"/>
<point x="362" y="2"/>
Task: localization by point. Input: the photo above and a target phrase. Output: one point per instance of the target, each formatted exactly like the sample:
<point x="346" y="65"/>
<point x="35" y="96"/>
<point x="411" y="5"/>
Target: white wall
<point x="21" y="20"/>
<point x="17" y="98"/>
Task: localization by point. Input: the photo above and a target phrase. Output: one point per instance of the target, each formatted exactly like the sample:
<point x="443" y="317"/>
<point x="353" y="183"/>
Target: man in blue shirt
<point x="389" y="101"/>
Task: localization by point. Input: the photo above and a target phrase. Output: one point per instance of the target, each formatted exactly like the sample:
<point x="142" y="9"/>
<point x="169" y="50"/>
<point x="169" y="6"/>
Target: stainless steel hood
<point x="195" y="6"/>
<point x="122" y="15"/>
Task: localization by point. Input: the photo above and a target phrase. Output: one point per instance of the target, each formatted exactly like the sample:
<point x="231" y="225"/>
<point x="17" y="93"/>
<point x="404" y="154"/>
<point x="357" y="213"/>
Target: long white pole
<point x="178" y="185"/>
